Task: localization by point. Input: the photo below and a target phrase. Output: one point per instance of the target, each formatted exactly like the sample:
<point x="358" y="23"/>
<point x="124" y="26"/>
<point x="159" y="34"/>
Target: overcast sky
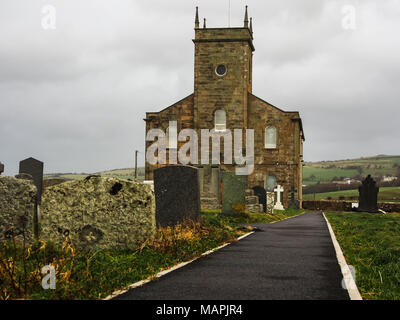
<point x="75" y="96"/>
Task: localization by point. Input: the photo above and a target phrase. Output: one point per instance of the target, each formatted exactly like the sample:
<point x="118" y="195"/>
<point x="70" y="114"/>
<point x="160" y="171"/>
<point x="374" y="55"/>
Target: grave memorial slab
<point x="233" y="193"/>
<point x="34" y="168"/>
<point x="368" y="196"/>
<point x="261" y="193"/>
<point x="293" y="203"/>
<point x="177" y="192"/>
<point x="270" y="202"/>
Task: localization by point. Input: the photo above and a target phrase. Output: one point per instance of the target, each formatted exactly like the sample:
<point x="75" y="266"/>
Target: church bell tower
<point x="222" y="73"/>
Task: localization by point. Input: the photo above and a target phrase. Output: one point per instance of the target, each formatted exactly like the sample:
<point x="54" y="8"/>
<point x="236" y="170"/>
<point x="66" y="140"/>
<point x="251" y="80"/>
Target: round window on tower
<point x="221" y="70"/>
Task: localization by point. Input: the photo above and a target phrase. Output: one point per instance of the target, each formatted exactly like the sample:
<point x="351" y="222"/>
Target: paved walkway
<point x="291" y="259"/>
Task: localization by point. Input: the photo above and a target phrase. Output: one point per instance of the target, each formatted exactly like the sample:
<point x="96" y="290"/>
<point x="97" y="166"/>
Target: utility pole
<point x="136" y="173"/>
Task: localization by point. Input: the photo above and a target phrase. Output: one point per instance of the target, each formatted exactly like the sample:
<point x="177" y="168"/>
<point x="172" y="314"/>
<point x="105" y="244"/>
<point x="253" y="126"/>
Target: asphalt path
<point x="292" y="259"/>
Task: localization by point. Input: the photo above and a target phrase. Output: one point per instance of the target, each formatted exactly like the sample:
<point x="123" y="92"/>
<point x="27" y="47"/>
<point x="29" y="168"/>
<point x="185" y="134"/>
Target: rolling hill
<point x="313" y="172"/>
<point x="326" y="171"/>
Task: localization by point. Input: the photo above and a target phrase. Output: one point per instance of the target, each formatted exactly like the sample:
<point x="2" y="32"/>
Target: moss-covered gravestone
<point x="233" y="193"/>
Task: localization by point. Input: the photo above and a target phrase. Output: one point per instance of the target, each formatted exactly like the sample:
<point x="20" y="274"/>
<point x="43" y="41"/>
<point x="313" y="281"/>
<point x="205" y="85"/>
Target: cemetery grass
<point x="90" y="275"/>
<point x="371" y="243"/>
<point x="386" y="194"/>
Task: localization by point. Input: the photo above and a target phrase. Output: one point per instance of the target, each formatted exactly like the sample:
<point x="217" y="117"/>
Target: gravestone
<point x="1" y="168"/>
<point x="177" y="192"/>
<point x="34" y="168"/>
<point x="233" y="193"/>
<point x="278" y="204"/>
<point x="368" y="196"/>
<point x="261" y="193"/>
<point x="270" y="202"/>
<point x="293" y="203"/>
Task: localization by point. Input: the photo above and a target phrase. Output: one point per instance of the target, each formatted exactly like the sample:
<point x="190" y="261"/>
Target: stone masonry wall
<point x="182" y="112"/>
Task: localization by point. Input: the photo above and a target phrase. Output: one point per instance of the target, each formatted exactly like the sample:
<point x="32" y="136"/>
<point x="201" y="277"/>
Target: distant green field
<point x="325" y="171"/>
<point x="313" y="172"/>
<point x="128" y="173"/>
<point x="390" y="194"/>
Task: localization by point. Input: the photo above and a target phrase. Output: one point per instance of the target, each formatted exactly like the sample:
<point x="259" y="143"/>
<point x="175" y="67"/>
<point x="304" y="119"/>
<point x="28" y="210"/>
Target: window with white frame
<point x="220" y="120"/>
<point x="270" y="137"/>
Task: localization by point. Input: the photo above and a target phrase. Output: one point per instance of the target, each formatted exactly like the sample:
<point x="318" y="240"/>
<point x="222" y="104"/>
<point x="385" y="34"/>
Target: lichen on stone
<point x="98" y="213"/>
<point x="17" y="207"/>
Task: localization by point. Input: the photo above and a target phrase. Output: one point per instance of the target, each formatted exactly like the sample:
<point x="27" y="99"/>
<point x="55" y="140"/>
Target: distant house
<point x="388" y="179"/>
<point x="346" y="181"/>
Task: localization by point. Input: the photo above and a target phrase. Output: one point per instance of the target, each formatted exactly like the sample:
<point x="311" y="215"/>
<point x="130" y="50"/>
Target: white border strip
<point x="347" y="276"/>
<point x="165" y="272"/>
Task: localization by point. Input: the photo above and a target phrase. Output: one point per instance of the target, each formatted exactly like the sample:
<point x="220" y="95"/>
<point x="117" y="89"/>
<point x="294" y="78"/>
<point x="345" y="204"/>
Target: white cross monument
<point x="278" y="204"/>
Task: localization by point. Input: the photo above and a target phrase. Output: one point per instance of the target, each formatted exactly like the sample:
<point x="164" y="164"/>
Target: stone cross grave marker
<point x="368" y="196"/>
<point x="1" y="168"/>
<point x="177" y="192"/>
<point x="233" y="193"/>
<point x="34" y="168"/>
<point x="278" y="204"/>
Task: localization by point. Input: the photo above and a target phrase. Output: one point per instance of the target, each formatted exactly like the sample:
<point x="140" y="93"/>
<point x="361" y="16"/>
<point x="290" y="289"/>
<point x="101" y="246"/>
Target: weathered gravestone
<point x="1" y="168"/>
<point x="368" y="196"/>
<point x="270" y="202"/>
<point x="177" y="192"/>
<point x="34" y="168"/>
<point x="233" y="193"/>
<point x="261" y="193"/>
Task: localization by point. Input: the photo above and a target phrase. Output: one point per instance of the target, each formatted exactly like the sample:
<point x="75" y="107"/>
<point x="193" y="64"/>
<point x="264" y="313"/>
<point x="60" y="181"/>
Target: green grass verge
<point x="387" y="194"/>
<point x="371" y="243"/>
<point x="95" y="275"/>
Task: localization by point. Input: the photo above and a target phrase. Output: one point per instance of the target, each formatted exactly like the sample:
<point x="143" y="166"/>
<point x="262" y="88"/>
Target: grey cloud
<point x="75" y="97"/>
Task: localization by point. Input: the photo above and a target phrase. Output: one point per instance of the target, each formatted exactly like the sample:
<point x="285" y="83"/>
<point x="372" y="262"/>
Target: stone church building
<point x="223" y="99"/>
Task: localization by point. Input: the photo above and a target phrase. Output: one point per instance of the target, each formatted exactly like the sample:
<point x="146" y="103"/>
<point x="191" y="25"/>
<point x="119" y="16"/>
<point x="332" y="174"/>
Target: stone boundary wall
<point x="17" y="208"/>
<point x="98" y="213"/>
<point x="346" y="206"/>
<point x="95" y="213"/>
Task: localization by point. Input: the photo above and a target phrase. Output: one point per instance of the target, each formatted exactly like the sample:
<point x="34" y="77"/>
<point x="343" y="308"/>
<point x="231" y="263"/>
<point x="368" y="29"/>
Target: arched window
<point x="270" y="137"/>
<point x="270" y="184"/>
<point x="220" y="120"/>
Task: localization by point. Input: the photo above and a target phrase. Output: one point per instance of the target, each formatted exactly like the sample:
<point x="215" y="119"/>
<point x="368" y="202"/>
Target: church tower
<point x="222" y="74"/>
<point x="223" y="100"/>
